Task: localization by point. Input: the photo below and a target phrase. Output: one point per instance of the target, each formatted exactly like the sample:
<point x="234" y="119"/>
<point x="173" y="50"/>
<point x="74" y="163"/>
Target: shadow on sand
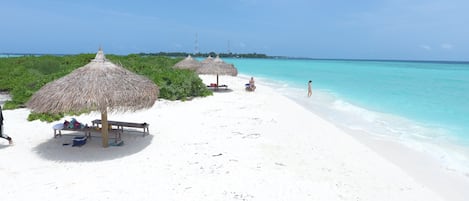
<point x="61" y="149"/>
<point x="221" y="90"/>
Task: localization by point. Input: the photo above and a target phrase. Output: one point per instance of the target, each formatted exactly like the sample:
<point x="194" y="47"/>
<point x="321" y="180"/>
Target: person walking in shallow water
<point x="310" y="91"/>
<point x="1" y="128"/>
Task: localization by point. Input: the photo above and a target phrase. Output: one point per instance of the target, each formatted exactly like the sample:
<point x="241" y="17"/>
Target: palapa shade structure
<point x="207" y="60"/>
<point x="188" y="63"/>
<point x="98" y="86"/>
<point x="217" y="67"/>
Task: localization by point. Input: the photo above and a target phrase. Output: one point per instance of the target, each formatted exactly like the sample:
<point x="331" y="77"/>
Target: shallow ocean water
<point x="422" y="104"/>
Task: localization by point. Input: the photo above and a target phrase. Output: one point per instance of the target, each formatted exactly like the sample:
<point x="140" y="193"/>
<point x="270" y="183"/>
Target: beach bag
<point x="78" y="141"/>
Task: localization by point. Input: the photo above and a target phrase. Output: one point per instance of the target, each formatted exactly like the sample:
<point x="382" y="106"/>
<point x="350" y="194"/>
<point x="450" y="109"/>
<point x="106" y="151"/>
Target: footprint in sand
<point x="252" y="136"/>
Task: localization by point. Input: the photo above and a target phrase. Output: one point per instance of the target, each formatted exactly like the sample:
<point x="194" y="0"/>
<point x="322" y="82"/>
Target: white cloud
<point x="242" y="45"/>
<point x="177" y="46"/>
<point x="447" y="46"/>
<point x="426" y="47"/>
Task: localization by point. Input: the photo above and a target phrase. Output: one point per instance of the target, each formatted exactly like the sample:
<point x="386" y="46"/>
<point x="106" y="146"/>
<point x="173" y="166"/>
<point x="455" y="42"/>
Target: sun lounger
<point x="216" y="87"/>
<point x="120" y="125"/>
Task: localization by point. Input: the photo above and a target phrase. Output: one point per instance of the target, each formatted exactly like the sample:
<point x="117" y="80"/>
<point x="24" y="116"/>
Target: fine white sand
<point x="234" y="145"/>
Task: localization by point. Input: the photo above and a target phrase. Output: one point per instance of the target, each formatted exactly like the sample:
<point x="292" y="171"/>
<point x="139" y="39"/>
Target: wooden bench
<point x="58" y="128"/>
<point x="120" y="125"/>
<point x="217" y="87"/>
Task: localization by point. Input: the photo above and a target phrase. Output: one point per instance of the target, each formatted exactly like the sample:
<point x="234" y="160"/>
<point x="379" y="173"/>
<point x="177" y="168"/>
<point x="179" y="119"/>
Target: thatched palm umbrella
<point x="209" y="59"/>
<point x="217" y="67"/>
<point x="98" y="86"/>
<point x="188" y="63"/>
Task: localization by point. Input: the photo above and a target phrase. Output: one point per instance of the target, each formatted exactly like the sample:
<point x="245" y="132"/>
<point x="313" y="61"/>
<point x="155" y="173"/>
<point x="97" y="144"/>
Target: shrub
<point x="23" y="76"/>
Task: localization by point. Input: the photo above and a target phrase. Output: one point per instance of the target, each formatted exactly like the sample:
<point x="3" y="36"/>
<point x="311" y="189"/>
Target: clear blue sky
<point x="358" y="29"/>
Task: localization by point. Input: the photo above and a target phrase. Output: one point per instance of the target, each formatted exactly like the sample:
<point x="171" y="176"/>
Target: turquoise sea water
<point x="414" y="102"/>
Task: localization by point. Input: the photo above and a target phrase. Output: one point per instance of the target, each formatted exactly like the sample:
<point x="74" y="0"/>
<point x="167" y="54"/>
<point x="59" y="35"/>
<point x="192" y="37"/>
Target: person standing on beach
<point x="10" y="141"/>
<point x="310" y="91"/>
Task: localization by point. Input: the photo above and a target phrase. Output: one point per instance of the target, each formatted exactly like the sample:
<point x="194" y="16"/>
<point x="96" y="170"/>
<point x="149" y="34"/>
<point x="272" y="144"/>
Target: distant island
<point x="213" y="54"/>
<point x="168" y="54"/>
<point x="238" y="55"/>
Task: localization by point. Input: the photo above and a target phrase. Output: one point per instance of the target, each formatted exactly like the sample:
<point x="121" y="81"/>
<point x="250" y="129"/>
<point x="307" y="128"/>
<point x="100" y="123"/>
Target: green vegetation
<point x="175" y="84"/>
<point x="23" y="76"/>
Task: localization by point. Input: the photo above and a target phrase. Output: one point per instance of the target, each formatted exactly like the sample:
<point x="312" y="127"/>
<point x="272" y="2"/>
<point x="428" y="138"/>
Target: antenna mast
<point x="196" y="45"/>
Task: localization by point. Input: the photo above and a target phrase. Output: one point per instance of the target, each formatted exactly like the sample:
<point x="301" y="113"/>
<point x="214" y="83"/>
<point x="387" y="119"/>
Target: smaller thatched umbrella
<point x="98" y="86"/>
<point x="188" y="63"/>
<point x="217" y="67"/>
<point x="207" y="60"/>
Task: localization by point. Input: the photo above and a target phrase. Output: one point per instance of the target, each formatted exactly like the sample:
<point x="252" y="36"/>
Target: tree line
<point x="212" y="54"/>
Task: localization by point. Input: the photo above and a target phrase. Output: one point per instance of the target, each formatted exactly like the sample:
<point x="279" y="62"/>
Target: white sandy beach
<point x="234" y="145"/>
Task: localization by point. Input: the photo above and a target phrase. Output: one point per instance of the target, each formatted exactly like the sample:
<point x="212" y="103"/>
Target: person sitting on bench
<point x="251" y="86"/>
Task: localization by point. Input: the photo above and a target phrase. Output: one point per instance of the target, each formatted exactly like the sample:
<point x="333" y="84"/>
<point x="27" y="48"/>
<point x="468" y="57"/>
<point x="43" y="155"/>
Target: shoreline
<point x="424" y="167"/>
<point x="421" y="165"/>
<point x="234" y="145"/>
<point x="398" y="129"/>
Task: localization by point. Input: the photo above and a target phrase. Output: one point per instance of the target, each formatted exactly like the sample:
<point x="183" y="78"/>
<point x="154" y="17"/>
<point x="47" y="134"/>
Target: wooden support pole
<point x="104" y="129"/>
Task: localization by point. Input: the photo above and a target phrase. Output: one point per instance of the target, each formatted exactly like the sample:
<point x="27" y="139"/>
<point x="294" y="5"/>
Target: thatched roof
<point x="218" y="59"/>
<point x="207" y="60"/>
<point x="217" y="67"/>
<point x="188" y="63"/>
<point x="99" y="85"/>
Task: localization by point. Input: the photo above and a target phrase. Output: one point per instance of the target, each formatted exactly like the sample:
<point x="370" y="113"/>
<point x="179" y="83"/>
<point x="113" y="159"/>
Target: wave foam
<point x="431" y="139"/>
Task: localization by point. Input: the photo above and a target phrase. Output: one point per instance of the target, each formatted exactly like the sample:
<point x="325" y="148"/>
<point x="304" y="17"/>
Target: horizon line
<point x="272" y="57"/>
